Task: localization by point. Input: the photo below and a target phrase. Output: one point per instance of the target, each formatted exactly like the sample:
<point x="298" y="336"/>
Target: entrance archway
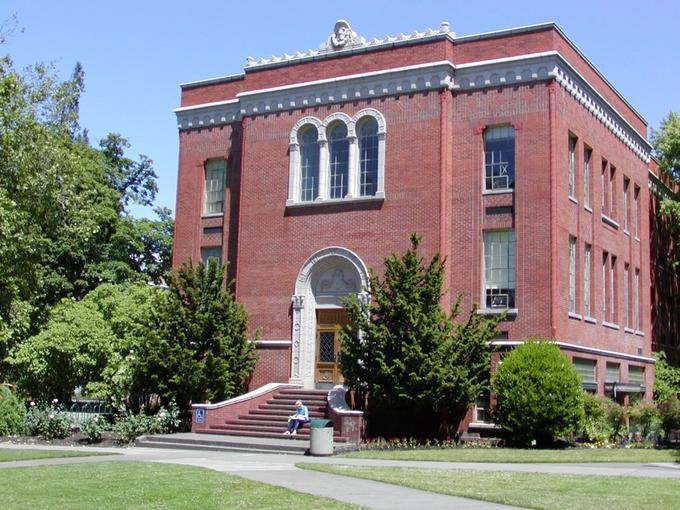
<point x="324" y="279"/>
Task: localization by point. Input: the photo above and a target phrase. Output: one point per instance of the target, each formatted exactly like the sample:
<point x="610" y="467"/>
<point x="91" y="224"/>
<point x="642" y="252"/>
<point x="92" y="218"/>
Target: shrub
<point x="595" y="425"/>
<point x="669" y="412"/>
<point x="46" y="421"/>
<point x="644" y="416"/>
<point x="12" y="411"/>
<point x="93" y="428"/>
<point x="617" y="419"/>
<point x="130" y="426"/>
<point x="539" y="395"/>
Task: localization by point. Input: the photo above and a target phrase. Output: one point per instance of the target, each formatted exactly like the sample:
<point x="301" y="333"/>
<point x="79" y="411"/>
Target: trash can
<point x="321" y="437"/>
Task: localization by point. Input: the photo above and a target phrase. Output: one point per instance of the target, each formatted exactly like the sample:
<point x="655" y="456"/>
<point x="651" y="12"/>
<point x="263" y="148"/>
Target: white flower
<point x="55" y="400"/>
<point x="51" y="416"/>
<point x="31" y="403"/>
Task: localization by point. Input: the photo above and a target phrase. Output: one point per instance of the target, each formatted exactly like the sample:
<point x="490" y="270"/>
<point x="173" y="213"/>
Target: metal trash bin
<point x="321" y="437"/>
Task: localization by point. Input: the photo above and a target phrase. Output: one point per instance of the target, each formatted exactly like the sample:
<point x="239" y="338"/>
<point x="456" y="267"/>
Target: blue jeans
<point x="294" y="424"/>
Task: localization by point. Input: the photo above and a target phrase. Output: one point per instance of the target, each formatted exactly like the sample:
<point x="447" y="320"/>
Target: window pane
<point x="211" y="253"/>
<point x="309" y="164"/>
<point x="215" y="173"/>
<point x="338" y="149"/>
<point x="499" y="157"/>
<point x="636" y="375"/>
<point x="499" y="269"/>
<point x="572" y="274"/>
<point x="585" y="369"/>
<point x="368" y="157"/>
<point x="612" y="372"/>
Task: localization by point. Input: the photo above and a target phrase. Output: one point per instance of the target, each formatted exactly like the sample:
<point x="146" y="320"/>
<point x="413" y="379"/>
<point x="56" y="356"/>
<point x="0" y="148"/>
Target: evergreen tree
<point x="197" y="347"/>
<point x="405" y="356"/>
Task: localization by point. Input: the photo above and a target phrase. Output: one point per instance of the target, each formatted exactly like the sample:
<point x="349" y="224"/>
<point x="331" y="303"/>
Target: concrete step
<point x="213" y="442"/>
<point x="268" y="428"/>
<point x="301" y="435"/>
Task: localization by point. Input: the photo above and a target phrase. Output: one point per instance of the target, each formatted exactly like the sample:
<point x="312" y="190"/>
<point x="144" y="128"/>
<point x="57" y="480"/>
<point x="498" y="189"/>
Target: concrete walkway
<point x="280" y="470"/>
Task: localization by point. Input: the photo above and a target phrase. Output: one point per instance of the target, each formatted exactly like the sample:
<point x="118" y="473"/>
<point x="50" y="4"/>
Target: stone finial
<point x="444" y="27"/>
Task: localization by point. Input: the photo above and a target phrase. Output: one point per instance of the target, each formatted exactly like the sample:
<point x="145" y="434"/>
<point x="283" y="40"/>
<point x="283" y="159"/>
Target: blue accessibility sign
<point x="199" y="415"/>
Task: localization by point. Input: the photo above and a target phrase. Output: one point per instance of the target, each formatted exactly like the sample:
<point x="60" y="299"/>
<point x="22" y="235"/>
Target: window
<point x="587" y="152"/>
<point x="213" y="252"/>
<point x="613" y="288"/>
<point x="586" y="280"/>
<point x="636" y="212"/>
<point x="612" y="374"/>
<point x="499" y="269"/>
<point x="603" y="185"/>
<point x="636" y="301"/>
<point x="368" y="157"/>
<point x="572" y="274"/>
<point x="586" y="369"/>
<point x="341" y="158"/>
<point x="636" y="375"/>
<point x="215" y="173"/>
<point x="611" y="195"/>
<point x="482" y="407"/>
<point x="605" y="262"/>
<point x="338" y="152"/>
<point x="626" y="302"/>
<point x="309" y="164"/>
<point x="572" y="150"/>
<point x="626" y="212"/>
<point x="499" y="158"/>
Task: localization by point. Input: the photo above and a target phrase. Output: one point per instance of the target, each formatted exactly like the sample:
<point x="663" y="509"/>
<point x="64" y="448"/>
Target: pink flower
<point x="31" y="404"/>
<point x="55" y="400"/>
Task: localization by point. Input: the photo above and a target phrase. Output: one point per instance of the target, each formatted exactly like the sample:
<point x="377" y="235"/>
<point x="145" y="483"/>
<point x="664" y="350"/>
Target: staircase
<point x="270" y="420"/>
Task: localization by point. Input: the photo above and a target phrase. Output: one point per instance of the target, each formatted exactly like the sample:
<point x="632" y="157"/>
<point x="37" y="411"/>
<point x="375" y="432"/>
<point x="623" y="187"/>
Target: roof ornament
<point x="342" y="37"/>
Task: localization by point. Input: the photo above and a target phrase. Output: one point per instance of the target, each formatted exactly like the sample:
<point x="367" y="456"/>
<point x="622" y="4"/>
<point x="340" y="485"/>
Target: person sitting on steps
<point x="298" y="419"/>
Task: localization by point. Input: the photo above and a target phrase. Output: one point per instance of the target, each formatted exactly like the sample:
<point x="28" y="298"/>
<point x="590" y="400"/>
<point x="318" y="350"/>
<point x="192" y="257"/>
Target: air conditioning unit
<point x="499" y="301"/>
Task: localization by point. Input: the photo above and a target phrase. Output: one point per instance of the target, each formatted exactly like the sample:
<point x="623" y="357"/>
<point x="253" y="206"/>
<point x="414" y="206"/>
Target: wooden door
<point x="328" y="325"/>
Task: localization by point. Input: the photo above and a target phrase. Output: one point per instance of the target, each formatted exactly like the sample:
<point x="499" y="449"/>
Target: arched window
<point x="338" y="152"/>
<point x="309" y="164"/>
<point x="368" y="157"/>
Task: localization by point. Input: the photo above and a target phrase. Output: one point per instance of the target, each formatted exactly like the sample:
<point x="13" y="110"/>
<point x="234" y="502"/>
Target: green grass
<point x="9" y="455"/>
<point x="528" y="490"/>
<point x="138" y="485"/>
<point x="518" y="455"/>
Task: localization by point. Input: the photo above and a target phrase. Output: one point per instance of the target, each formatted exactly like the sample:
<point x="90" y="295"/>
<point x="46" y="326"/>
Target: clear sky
<point x="135" y="54"/>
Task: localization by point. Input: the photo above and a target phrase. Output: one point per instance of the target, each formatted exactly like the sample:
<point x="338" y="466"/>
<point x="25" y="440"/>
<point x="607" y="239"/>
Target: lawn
<point x="9" y="455"/>
<point x="141" y="485"/>
<point x="528" y="490"/>
<point x="517" y="455"/>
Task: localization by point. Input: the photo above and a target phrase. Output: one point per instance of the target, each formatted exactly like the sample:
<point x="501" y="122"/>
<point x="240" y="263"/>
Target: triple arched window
<point x="341" y="158"/>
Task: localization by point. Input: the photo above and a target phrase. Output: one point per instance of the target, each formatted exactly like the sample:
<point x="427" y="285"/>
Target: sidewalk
<point x="280" y="470"/>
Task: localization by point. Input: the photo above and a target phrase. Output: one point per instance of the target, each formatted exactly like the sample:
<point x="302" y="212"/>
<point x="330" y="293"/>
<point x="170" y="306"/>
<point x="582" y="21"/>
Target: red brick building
<point x="509" y="153"/>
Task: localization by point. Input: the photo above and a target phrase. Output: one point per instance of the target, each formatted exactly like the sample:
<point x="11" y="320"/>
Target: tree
<point x="666" y="378"/>
<point x="418" y="370"/>
<point x="538" y="394"/>
<point x="197" y="347"/>
<point x="86" y="344"/>
<point x="667" y="150"/>
<point x="63" y="226"/>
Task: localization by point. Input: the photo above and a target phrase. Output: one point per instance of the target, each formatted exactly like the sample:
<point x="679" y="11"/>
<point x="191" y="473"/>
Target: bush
<point x="46" y="421"/>
<point x="644" y="416"/>
<point x="595" y="425"/>
<point x="539" y="395"/>
<point x="669" y="412"/>
<point x="12" y="411"/>
<point x="130" y="426"/>
<point x="617" y="420"/>
<point x="93" y="428"/>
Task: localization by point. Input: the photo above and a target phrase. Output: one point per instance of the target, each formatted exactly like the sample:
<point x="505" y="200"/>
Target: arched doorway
<point x="325" y="278"/>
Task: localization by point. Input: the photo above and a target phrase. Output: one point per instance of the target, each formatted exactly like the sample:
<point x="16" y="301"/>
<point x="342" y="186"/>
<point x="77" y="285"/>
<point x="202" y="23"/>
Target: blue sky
<point x="135" y="54"/>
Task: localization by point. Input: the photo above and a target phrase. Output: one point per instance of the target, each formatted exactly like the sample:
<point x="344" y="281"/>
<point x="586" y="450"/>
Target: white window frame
<point x="294" y="171"/>
<point x="586" y="279"/>
<point x="636" y="300"/>
<point x="587" y="155"/>
<point x="572" y="274"/>
<point x="626" y="187"/>
<point x="509" y="267"/>
<point x="626" y="301"/>
<point x="507" y="188"/>
<point x="572" y="164"/>
<point x="219" y="182"/>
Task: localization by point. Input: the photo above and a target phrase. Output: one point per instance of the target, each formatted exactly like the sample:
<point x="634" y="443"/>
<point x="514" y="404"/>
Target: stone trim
<point x="529" y="68"/>
<point x="578" y="348"/>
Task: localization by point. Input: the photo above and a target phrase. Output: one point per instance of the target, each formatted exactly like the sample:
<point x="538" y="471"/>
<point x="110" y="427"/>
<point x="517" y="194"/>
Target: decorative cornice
<point x="352" y="44"/>
<point x="418" y="78"/>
